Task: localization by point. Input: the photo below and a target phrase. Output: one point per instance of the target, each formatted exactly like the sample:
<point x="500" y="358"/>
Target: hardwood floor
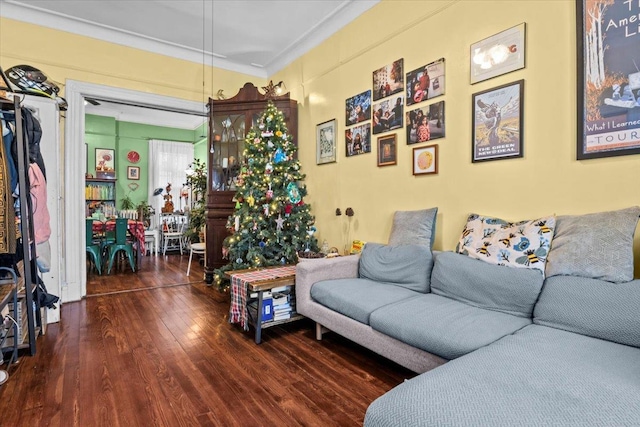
<point x="166" y="356"/>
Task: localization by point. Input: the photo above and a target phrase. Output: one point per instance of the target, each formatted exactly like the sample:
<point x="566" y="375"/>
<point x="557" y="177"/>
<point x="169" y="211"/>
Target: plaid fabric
<point x="240" y="282"/>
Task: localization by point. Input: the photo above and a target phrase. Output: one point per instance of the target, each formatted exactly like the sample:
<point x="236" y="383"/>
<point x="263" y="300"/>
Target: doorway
<point x="75" y="284"/>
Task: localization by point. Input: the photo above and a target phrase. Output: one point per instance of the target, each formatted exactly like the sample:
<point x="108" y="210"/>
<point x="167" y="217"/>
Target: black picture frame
<point x="608" y="95"/>
<point x="497" y="123"/>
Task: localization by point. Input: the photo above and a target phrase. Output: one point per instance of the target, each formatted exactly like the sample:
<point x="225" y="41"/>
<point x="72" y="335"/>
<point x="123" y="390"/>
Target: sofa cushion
<point x="357" y="298"/>
<point x="408" y="266"/>
<point x="597" y="308"/>
<point x="536" y="377"/>
<point x="522" y="244"/>
<point x="443" y="326"/>
<point x="494" y="287"/>
<point x="414" y="227"/>
<point x="598" y="245"/>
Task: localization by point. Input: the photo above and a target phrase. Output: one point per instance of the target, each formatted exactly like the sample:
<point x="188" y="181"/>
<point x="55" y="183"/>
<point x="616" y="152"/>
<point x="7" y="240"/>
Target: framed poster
<point x="499" y="54"/>
<point x="425" y="124"/>
<point x="425" y="82"/>
<point x="133" y="172"/>
<point x="425" y="160"/>
<point x="326" y="142"/>
<point x="358" y="140"/>
<point x="388" y="80"/>
<point x="608" y="78"/>
<point x="497" y="122"/>
<point x="387" y="150"/>
<point x="358" y="108"/>
<point x="105" y="163"/>
<point x="387" y="114"/>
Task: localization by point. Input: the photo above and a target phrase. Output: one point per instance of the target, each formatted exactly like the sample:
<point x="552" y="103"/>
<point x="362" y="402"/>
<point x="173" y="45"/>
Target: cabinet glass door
<point x="227" y="150"/>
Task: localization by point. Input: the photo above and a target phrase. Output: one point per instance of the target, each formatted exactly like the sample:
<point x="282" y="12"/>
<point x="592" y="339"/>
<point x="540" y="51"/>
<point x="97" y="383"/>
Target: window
<point x="168" y="161"/>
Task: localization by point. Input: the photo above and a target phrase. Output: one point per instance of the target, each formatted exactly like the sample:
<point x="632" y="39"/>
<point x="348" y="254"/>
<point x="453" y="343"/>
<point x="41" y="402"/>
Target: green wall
<point x="123" y="137"/>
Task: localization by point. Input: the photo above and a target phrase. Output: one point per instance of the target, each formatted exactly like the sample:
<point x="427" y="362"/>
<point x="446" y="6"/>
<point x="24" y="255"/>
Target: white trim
<point x="75" y="168"/>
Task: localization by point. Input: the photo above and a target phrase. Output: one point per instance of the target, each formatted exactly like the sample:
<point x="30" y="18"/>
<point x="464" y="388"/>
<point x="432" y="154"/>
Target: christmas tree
<point x="271" y="222"/>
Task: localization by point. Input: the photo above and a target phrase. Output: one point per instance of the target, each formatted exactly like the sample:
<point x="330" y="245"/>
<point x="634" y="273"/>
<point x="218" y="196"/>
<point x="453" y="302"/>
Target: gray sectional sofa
<point x="495" y="345"/>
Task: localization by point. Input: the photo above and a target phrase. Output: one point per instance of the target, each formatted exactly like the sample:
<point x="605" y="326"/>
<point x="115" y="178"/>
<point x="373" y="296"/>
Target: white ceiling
<point x="255" y="37"/>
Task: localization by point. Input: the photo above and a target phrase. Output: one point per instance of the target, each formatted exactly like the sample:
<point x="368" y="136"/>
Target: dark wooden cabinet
<point x="229" y="122"/>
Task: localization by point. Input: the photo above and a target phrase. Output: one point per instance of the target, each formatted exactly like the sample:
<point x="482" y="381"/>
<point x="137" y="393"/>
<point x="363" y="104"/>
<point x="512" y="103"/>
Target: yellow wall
<point x="65" y="56"/>
<point x="547" y="180"/>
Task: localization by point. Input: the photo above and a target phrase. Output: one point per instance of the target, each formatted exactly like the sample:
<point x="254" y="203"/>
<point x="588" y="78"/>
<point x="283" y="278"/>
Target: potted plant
<point x="144" y="213"/>
<point x="126" y="203"/>
<point x="197" y="181"/>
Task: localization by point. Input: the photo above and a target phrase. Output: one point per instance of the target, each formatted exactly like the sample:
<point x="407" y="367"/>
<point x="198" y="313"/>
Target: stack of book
<point x="284" y="303"/>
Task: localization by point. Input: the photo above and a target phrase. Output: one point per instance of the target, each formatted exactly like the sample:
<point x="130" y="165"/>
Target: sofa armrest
<point x="315" y="270"/>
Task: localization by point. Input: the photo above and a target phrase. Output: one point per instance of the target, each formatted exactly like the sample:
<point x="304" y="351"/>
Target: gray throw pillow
<point x="597" y="246"/>
<point x="408" y="266"/>
<point x="414" y="227"/>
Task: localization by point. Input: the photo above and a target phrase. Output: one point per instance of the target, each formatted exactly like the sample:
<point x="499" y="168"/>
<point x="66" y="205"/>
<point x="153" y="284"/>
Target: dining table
<point x="136" y="228"/>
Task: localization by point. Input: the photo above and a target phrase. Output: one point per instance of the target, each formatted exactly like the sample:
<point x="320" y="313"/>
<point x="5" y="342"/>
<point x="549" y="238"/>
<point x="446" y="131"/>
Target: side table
<point x="246" y="282"/>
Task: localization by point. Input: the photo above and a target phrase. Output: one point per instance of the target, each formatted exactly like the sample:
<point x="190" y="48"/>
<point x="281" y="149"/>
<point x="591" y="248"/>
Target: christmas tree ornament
<point x="238" y="205"/>
<point x="262" y="244"/>
<point x="269" y="194"/>
<point x="267" y="134"/>
<point x="237" y="223"/>
<point x="300" y="203"/>
<point x="279" y="133"/>
<point x="239" y="261"/>
<point x="287" y="209"/>
<point x="268" y="168"/>
<point x="250" y="200"/>
<point x="255" y="226"/>
<point x="266" y="208"/>
<point x="279" y="156"/>
<point x="293" y="192"/>
<point x="279" y="222"/>
<point x="270" y="144"/>
<point x="260" y="126"/>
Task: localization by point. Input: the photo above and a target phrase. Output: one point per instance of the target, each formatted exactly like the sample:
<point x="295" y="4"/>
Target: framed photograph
<point x="425" y="82"/>
<point x="358" y="140"/>
<point x="387" y="150"/>
<point x="326" y="142"/>
<point x="497" y="122"/>
<point x="358" y="108"/>
<point x="425" y="124"/>
<point x="388" y="80"/>
<point x="425" y="160"/>
<point x="499" y="54"/>
<point x="608" y="79"/>
<point x="105" y="163"/>
<point x="133" y="172"/>
<point x="387" y="114"/>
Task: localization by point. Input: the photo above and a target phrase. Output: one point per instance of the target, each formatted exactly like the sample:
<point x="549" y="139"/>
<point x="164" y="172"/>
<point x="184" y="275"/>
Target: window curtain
<point x="168" y="161"/>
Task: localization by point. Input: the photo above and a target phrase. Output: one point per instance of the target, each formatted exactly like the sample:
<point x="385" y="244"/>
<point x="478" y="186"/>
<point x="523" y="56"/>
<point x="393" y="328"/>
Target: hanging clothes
<point x="41" y="217"/>
<point x="32" y="132"/>
<point x="7" y="212"/>
<point x="7" y="139"/>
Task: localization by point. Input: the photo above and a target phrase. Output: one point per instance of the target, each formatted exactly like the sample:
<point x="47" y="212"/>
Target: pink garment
<point x="41" y="219"/>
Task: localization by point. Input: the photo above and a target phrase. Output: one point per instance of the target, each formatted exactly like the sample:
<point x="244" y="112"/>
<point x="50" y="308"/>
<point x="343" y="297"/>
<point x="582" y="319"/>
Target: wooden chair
<point x="93" y="248"/>
<point x="121" y="244"/>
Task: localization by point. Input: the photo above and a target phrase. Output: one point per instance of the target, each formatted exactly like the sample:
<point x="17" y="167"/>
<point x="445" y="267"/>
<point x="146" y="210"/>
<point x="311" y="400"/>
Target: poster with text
<point x="608" y="78"/>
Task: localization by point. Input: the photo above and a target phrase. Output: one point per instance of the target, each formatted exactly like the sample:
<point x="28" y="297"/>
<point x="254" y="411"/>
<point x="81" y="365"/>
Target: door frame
<point x="74" y="285"/>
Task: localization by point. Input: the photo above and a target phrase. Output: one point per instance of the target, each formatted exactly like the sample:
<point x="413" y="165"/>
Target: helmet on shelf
<point x="28" y="79"/>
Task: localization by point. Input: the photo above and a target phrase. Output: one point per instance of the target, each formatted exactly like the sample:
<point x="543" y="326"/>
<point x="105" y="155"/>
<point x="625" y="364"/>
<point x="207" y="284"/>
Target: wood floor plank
<point x="151" y="351"/>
